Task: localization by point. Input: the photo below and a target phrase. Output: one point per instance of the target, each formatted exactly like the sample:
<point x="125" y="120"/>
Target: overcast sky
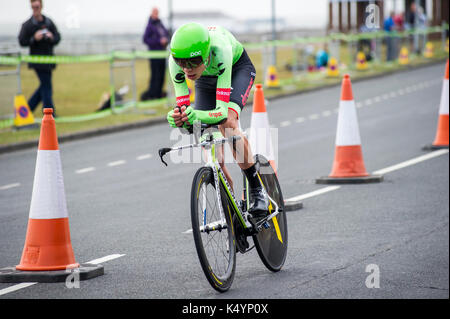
<point x="131" y="15"/>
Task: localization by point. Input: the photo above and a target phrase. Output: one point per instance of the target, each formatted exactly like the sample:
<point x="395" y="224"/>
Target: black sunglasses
<point x="189" y="63"/>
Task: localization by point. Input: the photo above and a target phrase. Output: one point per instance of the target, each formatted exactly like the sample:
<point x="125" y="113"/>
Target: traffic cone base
<point x="442" y="135"/>
<point x="84" y="272"/>
<point x="348" y="166"/>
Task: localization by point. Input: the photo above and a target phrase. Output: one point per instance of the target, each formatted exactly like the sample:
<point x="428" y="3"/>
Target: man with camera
<point x="41" y="35"/>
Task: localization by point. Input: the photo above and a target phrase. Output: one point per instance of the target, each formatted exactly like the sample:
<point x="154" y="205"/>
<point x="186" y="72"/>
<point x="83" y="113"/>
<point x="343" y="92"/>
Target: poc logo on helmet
<point x="196" y="53"/>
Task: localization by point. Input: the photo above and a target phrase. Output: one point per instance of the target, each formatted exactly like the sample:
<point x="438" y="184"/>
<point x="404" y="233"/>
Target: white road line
<point x="368" y="102"/>
<point x="28" y="284"/>
<point x="285" y="123"/>
<point x="300" y="119"/>
<point x="411" y="162"/>
<point x="326" y="113"/>
<point x="314" y="193"/>
<point x="5" y="187"/>
<point x="105" y="259"/>
<point x="314" y="116"/>
<point x="117" y="163"/>
<point x="16" y="287"/>
<point x="377" y="99"/>
<point x="381" y="171"/>
<point x="143" y="157"/>
<point x="85" y="170"/>
<point x="393" y="94"/>
<point x="359" y="105"/>
<point x="385" y="96"/>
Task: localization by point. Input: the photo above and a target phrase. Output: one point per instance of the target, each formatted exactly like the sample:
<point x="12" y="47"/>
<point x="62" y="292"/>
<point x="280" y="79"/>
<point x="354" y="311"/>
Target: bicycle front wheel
<point x="213" y="231"/>
<point x="271" y="243"/>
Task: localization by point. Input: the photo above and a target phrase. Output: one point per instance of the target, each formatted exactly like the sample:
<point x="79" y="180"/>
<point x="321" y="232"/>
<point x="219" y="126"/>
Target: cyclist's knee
<point x="231" y="122"/>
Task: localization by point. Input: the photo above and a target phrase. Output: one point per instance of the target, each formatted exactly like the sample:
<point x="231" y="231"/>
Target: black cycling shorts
<point x="242" y="78"/>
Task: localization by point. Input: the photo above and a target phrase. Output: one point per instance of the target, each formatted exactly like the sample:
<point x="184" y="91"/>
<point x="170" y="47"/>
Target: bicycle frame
<point x="209" y="145"/>
<point x="220" y="176"/>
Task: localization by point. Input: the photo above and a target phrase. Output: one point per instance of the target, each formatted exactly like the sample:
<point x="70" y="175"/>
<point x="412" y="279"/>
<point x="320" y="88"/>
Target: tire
<point x="272" y="243"/>
<point x="216" y="249"/>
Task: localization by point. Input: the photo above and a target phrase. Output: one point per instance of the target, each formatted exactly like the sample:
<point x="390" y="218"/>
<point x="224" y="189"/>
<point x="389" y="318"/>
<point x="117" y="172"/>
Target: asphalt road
<point x="122" y="200"/>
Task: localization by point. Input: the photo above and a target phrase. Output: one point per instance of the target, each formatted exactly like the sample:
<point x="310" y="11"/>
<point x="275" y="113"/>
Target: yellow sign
<point x="361" y="62"/>
<point x="428" y="50"/>
<point x="403" y="58"/>
<point x="272" y="80"/>
<point x="22" y="115"/>
<point x="332" y="70"/>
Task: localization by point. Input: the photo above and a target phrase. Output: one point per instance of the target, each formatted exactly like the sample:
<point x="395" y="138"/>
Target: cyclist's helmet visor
<point x="189" y="63"/>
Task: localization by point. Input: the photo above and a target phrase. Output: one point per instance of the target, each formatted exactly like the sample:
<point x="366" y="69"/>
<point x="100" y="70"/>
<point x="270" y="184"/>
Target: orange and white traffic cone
<point x="48" y="253"/>
<point x="442" y="133"/>
<point x="348" y="166"/>
<point x="260" y="138"/>
<point x="260" y="134"/>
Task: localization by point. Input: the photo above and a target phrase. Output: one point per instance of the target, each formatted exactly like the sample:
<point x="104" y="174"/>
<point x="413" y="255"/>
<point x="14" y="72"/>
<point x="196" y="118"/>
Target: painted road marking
<point x="116" y="163"/>
<point x="314" y="116"/>
<point x="379" y="172"/>
<point x="300" y="119"/>
<point x="411" y="162"/>
<point x="16" y="287"/>
<point x="28" y="284"/>
<point x="105" y="259"/>
<point x="144" y="157"/>
<point x="285" y="123"/>
<point x="314" y="193"/>
<point x="5" y="187"/>
<point x="85" y="170"/>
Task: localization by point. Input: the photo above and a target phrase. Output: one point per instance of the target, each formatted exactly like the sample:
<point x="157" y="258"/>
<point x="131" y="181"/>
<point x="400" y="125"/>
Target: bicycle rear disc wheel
<point x="272" y="243"/>
<point x="213" y="234"/>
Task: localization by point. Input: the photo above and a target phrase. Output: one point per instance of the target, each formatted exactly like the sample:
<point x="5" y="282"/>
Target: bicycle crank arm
<point x="216" y="226"/>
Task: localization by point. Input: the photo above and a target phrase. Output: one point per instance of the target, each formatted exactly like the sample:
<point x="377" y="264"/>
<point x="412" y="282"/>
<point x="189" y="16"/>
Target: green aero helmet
<point x="189" y="41"/>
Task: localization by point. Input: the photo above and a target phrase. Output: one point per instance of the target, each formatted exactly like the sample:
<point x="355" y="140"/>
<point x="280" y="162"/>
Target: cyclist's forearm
<point x="215" y="116"/>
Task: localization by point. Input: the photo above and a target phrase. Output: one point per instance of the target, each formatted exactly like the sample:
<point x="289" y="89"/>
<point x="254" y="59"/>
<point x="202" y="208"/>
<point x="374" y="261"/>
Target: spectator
<point x="389" y="26"/>
<point x="399" y="21"/>
<point x="156" y="38"/>
<point x="411" y="16"/>
<point x="41" y="35"/>
<point x="321" y="59"/>
<point x="421" y="18"/>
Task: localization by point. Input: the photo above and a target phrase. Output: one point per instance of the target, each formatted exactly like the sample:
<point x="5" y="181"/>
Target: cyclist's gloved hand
<point x="170" y="119"/>
<point x="174" y="117"/>
<point x="188" y="115"/>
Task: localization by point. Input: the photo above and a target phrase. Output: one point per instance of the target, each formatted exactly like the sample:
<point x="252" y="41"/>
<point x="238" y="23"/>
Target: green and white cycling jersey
<point x="225" y="51"/>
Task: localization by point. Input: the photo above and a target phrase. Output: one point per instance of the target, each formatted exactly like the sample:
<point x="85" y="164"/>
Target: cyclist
<point x="223" y="75"/>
